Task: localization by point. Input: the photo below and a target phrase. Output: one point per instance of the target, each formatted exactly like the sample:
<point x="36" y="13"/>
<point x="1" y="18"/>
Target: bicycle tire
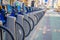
<point x="29" y="27"/>
<point x="22" y="30"/>
<point x="3" y="27"/>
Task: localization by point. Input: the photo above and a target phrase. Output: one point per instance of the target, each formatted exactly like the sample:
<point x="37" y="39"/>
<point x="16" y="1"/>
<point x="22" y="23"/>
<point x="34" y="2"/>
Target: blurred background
<point x="37" y="3"/>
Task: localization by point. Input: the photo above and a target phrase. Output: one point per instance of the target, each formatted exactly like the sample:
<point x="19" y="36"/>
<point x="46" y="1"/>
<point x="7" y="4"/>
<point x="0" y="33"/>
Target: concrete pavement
<point x="48" y="28"/>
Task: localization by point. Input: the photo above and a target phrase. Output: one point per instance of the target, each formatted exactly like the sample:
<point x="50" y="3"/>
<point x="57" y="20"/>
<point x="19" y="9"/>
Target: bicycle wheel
<point x="20" y="34"/>
<point x="4" y="28"/>
<point x="27" y="27"/>
<point x="32" y="24"/>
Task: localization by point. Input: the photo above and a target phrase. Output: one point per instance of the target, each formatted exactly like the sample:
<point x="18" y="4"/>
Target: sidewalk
<point x="48" y="28"/>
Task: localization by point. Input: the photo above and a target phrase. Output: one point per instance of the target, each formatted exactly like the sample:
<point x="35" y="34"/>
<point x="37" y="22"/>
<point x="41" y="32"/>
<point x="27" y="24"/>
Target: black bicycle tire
<point x="32" y="22"/>
<point x="3" y="27"/>
<point x="29" y="27"/>
<point x="37" y="19"/>
<point x="22" y="30"/>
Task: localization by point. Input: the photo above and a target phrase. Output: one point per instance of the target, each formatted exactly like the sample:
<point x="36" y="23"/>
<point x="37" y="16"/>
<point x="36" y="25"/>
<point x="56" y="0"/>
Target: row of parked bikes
<point x="16" y="23"/>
